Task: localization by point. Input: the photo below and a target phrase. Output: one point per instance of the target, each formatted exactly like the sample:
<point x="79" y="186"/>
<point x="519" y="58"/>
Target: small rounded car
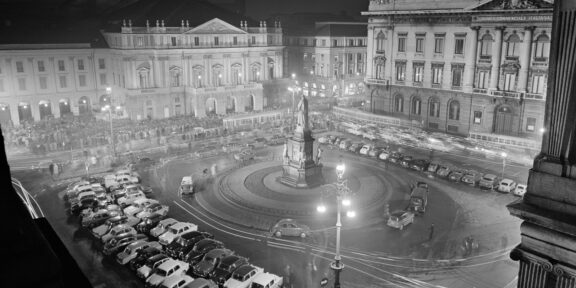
<point x="289" y="227"/>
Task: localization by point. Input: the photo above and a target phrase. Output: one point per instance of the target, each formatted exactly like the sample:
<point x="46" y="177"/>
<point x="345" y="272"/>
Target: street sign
<point x="324" y="282"/>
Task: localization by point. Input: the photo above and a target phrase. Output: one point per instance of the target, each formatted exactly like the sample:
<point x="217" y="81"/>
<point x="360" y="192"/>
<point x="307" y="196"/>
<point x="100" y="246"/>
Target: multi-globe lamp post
<point x="342" y="198"/>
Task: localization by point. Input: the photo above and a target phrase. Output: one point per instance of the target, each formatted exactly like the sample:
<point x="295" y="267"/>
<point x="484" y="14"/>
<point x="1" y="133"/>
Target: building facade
<point x="329" y="60"/>
<point x="464" y="67"/>
<point x="146" y="72"/>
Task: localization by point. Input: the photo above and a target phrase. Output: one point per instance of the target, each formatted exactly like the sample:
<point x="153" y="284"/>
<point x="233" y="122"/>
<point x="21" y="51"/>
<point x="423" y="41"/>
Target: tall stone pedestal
<point x="300" y="168"/>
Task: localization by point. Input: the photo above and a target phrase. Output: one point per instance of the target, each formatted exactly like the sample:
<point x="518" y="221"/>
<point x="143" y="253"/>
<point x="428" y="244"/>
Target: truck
<point x="418" y="199"/>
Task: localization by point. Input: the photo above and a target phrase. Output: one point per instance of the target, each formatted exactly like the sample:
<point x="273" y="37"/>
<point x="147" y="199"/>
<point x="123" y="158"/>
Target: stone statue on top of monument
<point x="302" y="120"/>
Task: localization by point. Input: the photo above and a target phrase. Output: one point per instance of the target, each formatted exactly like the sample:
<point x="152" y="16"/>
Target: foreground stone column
<point x="547" y="252"/>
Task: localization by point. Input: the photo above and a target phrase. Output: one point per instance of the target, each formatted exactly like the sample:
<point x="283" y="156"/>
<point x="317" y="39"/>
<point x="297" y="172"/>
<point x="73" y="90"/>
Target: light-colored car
<point x="176" y="230"/>
<point x="162" y="227"/>
<point x="130" y="198"/>
<point x="399" y="219"/>
<point x="151" y="264"/>
<point x="520" y="190"/>
<point x="176" y="281"/>
<point x="118" y="230"/>
<point x="169" y="268"/>
<point x="109" y="181"/>
<point x="268" y="280"/>
<point x="365" y="149"/>
<point x="138" y="206"/>
<point x="506" y="185"/>
<point x="98" y="218"/>
<point x="154" y="208"/>
<point x="131" y="251"/>
<point x="243" y="277"/>
<point x="289" y="227"/>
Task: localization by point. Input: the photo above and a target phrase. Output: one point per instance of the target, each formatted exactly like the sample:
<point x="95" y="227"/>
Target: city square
<point x="232" y="144"/>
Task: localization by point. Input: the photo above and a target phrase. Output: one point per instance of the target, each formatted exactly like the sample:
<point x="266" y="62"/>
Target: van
<point x="186" y="186"/>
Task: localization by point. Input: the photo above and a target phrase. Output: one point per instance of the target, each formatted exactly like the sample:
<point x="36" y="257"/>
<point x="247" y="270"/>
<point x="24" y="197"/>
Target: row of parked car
<point x="135" y="231"/>
<point x="449" y="172"/>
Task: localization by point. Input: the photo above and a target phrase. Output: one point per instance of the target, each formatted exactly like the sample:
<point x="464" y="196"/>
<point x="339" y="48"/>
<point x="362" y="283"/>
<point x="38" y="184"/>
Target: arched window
<point x="380" y="65"/>
<point x="454" y="110"/>
<point x="380" y="42"/>
<point x="416" y="106"/>
<point x="513" y="46"/>
<point x="197" y="77"/>
<point x="542" y="50"/>
<point x="486" y="45"/>
<point x="434" y="108"/>
<point x="217" y="75"/>
<point x="255" y="73"/>
<point x="399" y="103"/>
<point x="144" y="78"/>
<point x="175" y="76"/>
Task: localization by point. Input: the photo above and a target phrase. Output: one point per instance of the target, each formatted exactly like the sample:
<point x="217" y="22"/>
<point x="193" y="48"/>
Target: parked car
<point x="420" y="164"/>
<point x="201" y="248"/>
<point x="117" y="244"/>
<point x="375" y="151"/>
<point x="98" y="218"/>
<point x="406" y="161"/>
<point x="506" y="185"/>
<point x="154" y="208"/>
<point x="471" y="177"/>
<point x="456" y="175"/>
<point x="145" y="188"/>
<point x="384" y="155"/>
<point x="226" y="267"/>
<point x="268" y="280"/>
<point x="433" y="167"/>
<point x="399" y="219"/>
<point x="395" y="157"/>
<point x="130" y="197"/>
<point x="355" y="147"/>
<point x="520" y="190"/>
<point x="143" y="256"/>
<point x="177" y="281"/>
<point x="183" y="244"/>
<point x="131" y="251"/>
<point x="162" y="227"/>
<point x="488" y="181"/>
<point x="151" y="264"/>
<point x="175" y="231"/>
<point x="202" y="283"/>
<point x="169" y="268"/>
<point x="205" y="267"/>
<point x="243" y="276"/>
<point x="148" y="223"/>
<point x="101" y="230"/>
<point x="443" y="171"/>
<point x="118" y="230"/>
<point x="365" y="149"/>
<point x="138" y="205"/>
<point x="290" y="227"/>
<point x="345" y="144"/>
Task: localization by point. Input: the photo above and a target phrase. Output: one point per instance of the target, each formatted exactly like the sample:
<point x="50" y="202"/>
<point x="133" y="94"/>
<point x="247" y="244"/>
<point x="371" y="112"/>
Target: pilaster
<point x="525" y="60"/>
<point x="496" y="59"/>
<point x="471" y="60"/>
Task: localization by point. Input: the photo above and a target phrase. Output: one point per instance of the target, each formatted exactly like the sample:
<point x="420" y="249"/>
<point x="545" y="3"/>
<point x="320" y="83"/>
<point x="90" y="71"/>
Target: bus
<point x="418" y="199"/>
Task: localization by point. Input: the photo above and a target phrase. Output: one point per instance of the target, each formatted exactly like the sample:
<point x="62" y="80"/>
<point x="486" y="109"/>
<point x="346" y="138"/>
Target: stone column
<point x="547" y="253"/>
<point x="471" y="60"/>
<point x="496" y="59"/>
<point x="14" y="114"/>
<point x="525" y="60"/>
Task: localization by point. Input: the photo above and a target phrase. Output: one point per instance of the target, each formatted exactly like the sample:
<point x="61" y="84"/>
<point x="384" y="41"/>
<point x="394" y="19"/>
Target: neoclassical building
<point x="474" y="68"/>
<point x="147" y="71"/>
<point x="328" y="60"/>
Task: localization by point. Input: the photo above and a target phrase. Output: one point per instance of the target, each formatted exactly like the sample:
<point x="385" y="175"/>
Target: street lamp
<point x="504" y="155"/>
<point x="109" y="106"/>
<point x="342" y="193"/>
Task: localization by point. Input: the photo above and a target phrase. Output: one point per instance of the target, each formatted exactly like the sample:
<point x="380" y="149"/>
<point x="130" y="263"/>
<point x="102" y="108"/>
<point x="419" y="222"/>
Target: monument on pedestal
<point x="300" y="168"/>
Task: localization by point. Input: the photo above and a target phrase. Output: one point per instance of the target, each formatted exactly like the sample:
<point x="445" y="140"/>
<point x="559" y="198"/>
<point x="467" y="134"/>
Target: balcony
<point x="374" y="81"/>
<point x="506" y="94"/>
<point x="535" y="96"/>
<point x="480" y="90"/>
<point x="485" y="58"/>
<point x="380" y="52"/>
<point x="512" y="58"/>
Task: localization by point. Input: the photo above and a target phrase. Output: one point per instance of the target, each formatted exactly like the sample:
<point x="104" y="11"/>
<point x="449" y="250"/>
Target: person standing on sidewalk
<point x="431" y="232"/>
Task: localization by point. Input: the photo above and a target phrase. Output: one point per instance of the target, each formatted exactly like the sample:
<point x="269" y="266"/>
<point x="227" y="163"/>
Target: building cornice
<point x="452" y="11"/>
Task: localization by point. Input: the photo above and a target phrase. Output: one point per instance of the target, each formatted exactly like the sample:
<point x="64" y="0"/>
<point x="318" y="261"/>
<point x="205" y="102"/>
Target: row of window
<point x="348" y="56"/>
<point x="62" y="82"/>
<point x="144" y="41"/>
<point x="324" y="42"/>
<point x="60" y="64"/>
<point x="512" y="44"/>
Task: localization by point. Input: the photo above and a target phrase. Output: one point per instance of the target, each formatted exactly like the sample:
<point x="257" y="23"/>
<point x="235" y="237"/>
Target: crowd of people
<point x="65" y="134"/>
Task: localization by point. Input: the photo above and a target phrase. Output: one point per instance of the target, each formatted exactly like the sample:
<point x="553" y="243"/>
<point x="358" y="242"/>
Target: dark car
<point x="406" y="161"/>
<point x="143" y="256"/>
<point x="87" y="202"/>
<point x="183" y="244"/>
<point x="471" y="177"/>
<point x="118" y="192"/>
<point x="420" y="164"/>
<point x="97" y="219"/>
<point x="205" y="267"/>
<point x="226" y="267"/>
<point x="148" y="223"/>
<point x="145" y="188"/>
<point x="395" y="157"/>
<point x="118" y="244"/>
<point x="200" y="249"/>
<point x="355" y="147"/>
<point x="456" y="176"/>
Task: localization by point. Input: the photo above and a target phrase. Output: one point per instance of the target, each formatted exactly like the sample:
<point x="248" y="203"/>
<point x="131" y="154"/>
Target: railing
<point x="511" y="58"/>
<point x="540" y="59"/>
<point x="380" y="52"/>
<point x="507" y="94"/>
<point x="485" y="58"/>
<point x="535" y="96"/>
<point x="480" y="90"/>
